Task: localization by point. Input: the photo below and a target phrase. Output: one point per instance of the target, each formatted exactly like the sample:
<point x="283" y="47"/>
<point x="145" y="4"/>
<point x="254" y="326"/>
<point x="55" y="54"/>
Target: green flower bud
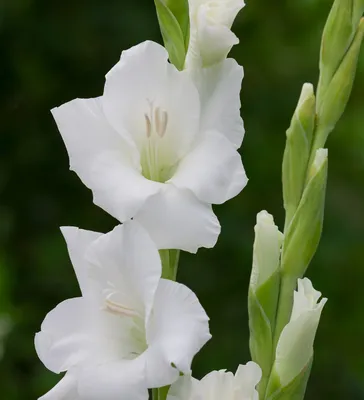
<point x="337" y="37"/>
<point x="303" y="233"/>
<point x="297" y="151"/>
<point x="173" y="17"/>
<point x="294" y="352"/>
<point x="334" y="98"/>
<point x="263" y="292"/>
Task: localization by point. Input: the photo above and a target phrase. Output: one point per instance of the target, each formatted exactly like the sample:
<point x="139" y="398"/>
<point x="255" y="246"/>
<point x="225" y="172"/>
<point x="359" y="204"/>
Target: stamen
<point x="148" y="124"/>
<point x="119" y="309"/>
<point x="161" y="121"/>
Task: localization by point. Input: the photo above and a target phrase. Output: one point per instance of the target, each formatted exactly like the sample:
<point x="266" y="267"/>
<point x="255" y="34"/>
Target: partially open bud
<point x="263" y="292"/>
<point x="211" y="38"/>
<point x="294" y="351"/>
<point x="304" y="232"/>
<point x="297" y="151"/>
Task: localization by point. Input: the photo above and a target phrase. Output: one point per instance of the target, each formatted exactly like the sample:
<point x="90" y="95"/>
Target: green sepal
<point x="262" y="306"/>
<point x="173" y="20"/>
<point x="295" y="390"/>
<point x="303" y="233"/>
<point x="297" y="151"/>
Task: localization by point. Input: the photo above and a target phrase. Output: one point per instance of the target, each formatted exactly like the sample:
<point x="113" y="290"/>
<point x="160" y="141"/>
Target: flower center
<point x="132" y="324"/>
<point x="155" y="156"/>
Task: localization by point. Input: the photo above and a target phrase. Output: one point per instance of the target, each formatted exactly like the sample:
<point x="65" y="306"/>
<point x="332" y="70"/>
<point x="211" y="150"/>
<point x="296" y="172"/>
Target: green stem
<point x="170" y="259"/>
<point x="160" y="393"/>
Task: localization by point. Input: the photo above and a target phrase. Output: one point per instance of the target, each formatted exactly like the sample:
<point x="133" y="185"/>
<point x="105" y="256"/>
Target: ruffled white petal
<point x="213" y="171"/>
<point x="106" y="161"/>
<point x="215" y="41"/>
<point x="118" y="188"/>
<point x="176" y="219"/>
<point x="144" y="78"/>
<point x="78" y="240"/>
<point x="87" y="134"/>
<point x="219" y="88"/>
<point x="219" y="385"/>
<point x="63" y="341"/>
<point x="66" y="389"/>
<point x="114" y="381"/>
<point x="177" y="331"/>
<point x="246" y="379"/>
<point x="183" y="388"/>
<point x="129" y="260"/>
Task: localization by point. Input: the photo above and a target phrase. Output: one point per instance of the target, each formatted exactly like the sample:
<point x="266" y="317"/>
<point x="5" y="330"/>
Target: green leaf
<point x="174" y="34"/>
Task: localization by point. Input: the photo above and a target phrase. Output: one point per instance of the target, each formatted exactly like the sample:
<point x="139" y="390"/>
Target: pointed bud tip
<point x="307" y="92"/>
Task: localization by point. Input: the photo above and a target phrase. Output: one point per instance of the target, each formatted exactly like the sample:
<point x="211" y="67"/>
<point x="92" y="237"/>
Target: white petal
<point x="215" y="41"/>
<point x="217" y="385"/>
<point x="176" y="219"/>
<point x="63" y="341"/>
<point x="87" y="134"/>
<point x="114" y="381"/>
<point x="247" y="378"/>
<point x="295" y="345"/>
<point x="78" y="241"/>
<point x="118" y="188"/>
<point x="144" y="77"/>
<point x="129" y="260"/>
<point x="177" y="331"/>
<point x="213" y="171"/>
<point x="66" y="389"/>
<point x="219" y="88"/>
<point x="183" y="388"/>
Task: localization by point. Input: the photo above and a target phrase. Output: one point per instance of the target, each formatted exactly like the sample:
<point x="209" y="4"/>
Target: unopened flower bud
<point x="294" y="351"/>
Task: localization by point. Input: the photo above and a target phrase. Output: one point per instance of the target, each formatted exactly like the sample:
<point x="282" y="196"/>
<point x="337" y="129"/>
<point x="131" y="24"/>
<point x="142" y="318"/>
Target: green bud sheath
<point x="337" y="94"/>
<point x="173" y="17"/>
<point x="302" y="237"/>
<point x="263" y="293"/>
<point x="304" y="231"/>
<point x="337" y="37"/>
<point x="297" y="151"/>
<point x="295" y="390"/>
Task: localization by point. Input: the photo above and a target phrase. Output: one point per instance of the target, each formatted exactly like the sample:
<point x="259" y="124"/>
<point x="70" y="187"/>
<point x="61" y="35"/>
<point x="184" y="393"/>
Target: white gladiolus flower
<point x="295" y="345"/>
<point x="218" y="385"/>
<point x="211" y="38"/>
<point x="130" y="330"/>
<point x="151" y="150"/>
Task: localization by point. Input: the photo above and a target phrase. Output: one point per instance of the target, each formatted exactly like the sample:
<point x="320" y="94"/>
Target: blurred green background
<point x="54" y="51"/>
